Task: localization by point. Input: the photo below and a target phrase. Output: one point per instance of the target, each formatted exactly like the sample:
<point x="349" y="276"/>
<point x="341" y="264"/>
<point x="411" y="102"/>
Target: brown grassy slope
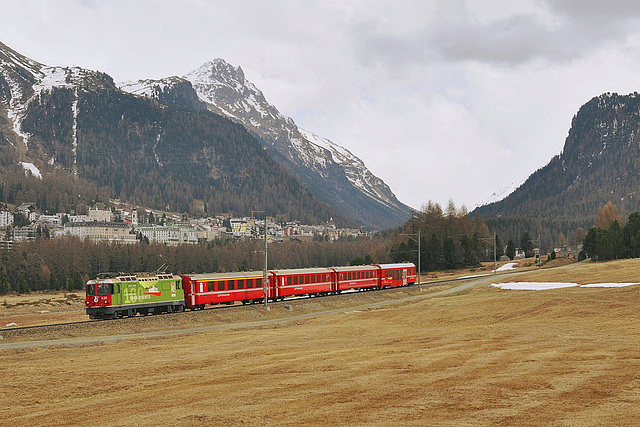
<point x="489" y="357"/>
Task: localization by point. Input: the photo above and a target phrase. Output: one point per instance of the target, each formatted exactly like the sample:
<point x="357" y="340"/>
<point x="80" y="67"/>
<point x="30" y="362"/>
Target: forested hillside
<point x="599" y="163"/>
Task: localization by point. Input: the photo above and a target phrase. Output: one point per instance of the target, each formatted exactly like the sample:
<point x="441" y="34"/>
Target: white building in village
<point x="100" y="213"/>
<point x="101" y="231"/>
<point x="6" y="218"/>
<point x="169" y="235"/>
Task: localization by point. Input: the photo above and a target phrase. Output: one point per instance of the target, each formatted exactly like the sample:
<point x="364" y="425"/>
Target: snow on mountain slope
<point x="23" y="84"/>
<point x="147" y="87"/>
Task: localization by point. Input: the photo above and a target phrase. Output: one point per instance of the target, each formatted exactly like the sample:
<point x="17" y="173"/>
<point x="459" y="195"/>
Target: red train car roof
<point x="398" y="265"/>
<point x="233" y="275"/>
<point x="302" y="271"/>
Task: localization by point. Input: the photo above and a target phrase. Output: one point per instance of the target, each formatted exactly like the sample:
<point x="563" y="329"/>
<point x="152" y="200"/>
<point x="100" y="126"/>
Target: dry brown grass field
<point x="481" y="356"/>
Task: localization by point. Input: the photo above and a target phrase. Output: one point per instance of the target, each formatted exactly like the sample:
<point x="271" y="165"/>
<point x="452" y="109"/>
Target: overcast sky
<point x="442" y="99"/>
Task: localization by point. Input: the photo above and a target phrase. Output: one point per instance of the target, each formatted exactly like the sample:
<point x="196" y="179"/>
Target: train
<point x="115" y="295"/>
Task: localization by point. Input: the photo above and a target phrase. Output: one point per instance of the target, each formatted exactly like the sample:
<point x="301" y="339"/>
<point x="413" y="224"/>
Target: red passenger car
<point x="222" y="288"/>
<point x="306" y="281"/>
<point x="392" y="275"/>
<point x="356" y="277"/>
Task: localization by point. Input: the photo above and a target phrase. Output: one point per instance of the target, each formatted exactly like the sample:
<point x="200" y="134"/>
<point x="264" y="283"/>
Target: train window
<point x="313" y="278"/>
<point x="306" y="280"/>
<point x="241" y="284"/>
<point x="105" y="288"/>
<point x="295" y="280"/>
<point x="231" y="285"/>
<point x="258" y="283"/>
<point x="211" y="286"/>
<point x="249" y="283"/>
<point x="91" y="289"/>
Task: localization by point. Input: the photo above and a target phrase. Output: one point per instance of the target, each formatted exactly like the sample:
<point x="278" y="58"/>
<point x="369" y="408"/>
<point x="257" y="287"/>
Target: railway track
<point x="426" y="285"/>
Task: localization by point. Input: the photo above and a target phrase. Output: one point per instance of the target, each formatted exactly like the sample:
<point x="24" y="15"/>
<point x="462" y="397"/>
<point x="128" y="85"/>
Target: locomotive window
<point x="231" y="285"/>
<point x="105" y="288"/>
<point x="91" y="289"/>
<point x="241" y="284"/>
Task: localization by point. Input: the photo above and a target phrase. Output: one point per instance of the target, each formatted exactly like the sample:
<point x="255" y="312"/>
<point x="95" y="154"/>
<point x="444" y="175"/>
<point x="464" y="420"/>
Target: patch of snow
<point x="543" y="286"/>
<point x="500" y="194"/>
<point x="474" y="276"/>
<point x="609" y="285"/>
<point x="508" y="266"/>
<point x="31" y="168"/>
<point x="154" y="151"/>
<point x="74" y="109"/>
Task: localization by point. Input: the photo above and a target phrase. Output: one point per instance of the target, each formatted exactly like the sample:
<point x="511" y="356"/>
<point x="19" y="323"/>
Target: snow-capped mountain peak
<point x="334" y="174"/>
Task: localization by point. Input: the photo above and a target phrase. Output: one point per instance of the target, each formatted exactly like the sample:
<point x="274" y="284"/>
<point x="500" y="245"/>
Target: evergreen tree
<point x="527" y="245"/>
<point x="511" y="249"/>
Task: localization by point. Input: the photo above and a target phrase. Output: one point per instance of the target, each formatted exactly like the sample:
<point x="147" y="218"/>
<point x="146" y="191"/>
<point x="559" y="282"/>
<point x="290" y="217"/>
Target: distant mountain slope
<point x="165" y="153"/>
<point x="330" y="171"/>
<point x="600" y="162"/>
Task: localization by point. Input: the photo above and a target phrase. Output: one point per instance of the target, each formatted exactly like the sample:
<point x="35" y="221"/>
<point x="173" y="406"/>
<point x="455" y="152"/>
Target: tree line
<point x="449" y="239"/>
<point x="614" y="241"/>
<point x="67" y="263"/>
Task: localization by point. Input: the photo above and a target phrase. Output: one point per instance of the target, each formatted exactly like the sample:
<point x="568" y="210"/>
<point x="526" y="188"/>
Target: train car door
<point x="404" y="277"/>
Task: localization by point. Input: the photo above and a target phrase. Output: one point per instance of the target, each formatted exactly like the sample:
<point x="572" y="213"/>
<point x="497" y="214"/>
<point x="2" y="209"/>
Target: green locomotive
<point x="113" y="295"/>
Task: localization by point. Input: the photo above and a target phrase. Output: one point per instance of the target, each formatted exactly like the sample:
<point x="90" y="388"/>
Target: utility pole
<point x="264" y="273"/>
<point x="409" y="235"/>
<point x="495" y="262"/>
<point x="265" y="288"/>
